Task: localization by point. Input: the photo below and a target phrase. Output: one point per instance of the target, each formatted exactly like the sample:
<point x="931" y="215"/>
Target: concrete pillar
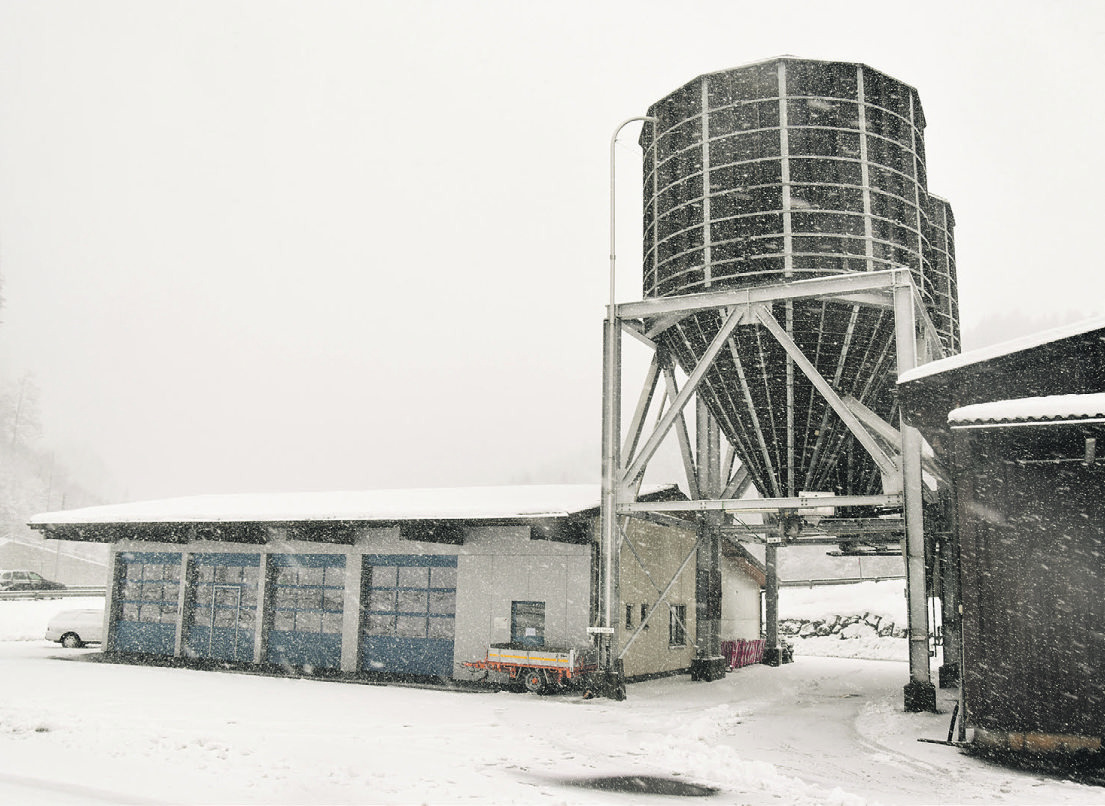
<point x="111" y="596"/>
<point x="263" y="616"/>
<point x="351" y="622"/>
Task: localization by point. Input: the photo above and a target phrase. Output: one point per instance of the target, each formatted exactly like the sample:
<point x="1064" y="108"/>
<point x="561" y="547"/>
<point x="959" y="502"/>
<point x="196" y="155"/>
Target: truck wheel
<point x="534" y="680"/>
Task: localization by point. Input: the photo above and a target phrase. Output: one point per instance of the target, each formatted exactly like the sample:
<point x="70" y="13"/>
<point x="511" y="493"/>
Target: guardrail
<point x="814" y="583"/>
<point x="66" y="593"/>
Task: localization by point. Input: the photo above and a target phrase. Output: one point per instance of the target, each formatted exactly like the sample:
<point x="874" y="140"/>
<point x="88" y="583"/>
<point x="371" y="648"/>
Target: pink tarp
<point x="742" y="653"/>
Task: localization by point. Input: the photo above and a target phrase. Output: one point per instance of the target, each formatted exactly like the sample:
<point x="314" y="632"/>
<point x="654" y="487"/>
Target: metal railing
<point x="814" y="583"/>
<point x="66" y="593"/>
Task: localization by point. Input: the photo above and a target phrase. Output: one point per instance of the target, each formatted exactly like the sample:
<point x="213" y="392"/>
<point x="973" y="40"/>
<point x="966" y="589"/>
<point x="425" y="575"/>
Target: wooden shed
<point x="1017" y="427"/>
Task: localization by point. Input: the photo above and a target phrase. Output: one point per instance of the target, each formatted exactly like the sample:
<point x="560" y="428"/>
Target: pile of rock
<point x="844" y="627"/>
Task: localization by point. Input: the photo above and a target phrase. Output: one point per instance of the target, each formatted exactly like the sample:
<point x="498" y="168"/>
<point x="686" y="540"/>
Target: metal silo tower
<point x="794" y="265"/>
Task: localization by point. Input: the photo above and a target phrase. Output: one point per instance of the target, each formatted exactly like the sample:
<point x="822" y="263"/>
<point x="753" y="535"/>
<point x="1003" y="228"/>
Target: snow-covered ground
<point x="820" y="730"/>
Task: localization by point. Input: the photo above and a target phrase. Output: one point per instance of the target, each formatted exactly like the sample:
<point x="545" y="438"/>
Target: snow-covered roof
<point x="1002" y="349"/>
<point x="456" y="503"/>
<point x="1056" y="408"/>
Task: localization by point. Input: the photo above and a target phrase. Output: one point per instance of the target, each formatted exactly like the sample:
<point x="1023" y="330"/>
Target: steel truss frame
<point x="717" y="486"/>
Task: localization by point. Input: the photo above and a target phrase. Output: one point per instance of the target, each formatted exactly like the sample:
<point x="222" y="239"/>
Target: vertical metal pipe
<point x="611" y="429"/>
<point x="611" y="441"/>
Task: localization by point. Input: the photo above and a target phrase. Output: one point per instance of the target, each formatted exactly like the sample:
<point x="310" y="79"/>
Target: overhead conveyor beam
<point x="798" y="503"/>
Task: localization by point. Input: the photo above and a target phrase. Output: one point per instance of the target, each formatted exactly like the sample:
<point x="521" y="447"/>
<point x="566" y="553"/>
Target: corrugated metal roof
<point x="1056" y="408"/>
<point x="457" y="503"/>
<point x="1002" y="349"/>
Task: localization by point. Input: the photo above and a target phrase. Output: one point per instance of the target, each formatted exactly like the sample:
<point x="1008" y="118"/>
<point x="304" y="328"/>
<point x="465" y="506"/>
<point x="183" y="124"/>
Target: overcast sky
<point x="253" y="246"/>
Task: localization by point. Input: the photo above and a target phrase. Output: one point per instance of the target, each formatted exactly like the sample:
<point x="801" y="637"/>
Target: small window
<point x="677" y="625"/>
<point x="629" y="617"/>
<point x="527" y="623"/>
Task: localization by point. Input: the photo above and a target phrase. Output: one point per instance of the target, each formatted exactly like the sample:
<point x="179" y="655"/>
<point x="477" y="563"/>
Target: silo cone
<point x="780" y="171"/>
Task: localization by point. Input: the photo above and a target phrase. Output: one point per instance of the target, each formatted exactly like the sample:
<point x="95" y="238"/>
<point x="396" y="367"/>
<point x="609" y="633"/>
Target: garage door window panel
<point x="148" y="600"/>
<point x="307" y="592"/>
<point x="408" y="626"/>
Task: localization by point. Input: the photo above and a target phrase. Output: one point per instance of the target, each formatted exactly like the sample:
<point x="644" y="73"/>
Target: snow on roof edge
<point x="1050" y="409"/>
<point x="1001" y="349"/>
<point x="447" y="503"/>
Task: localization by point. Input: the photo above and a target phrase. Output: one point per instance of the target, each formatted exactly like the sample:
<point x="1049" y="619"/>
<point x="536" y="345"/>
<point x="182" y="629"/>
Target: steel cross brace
<point x="645" y="320"/>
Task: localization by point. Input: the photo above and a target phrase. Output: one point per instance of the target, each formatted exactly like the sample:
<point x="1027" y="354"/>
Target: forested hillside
<point x="33" y="478"/>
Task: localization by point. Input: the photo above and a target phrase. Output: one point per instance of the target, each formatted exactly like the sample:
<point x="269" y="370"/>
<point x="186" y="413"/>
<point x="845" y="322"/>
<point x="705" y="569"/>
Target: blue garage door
<point x="148" y="600"/>
<point x="308" y="592"/>
<point x="408" y="620"/>
<point x="221" y="613"/>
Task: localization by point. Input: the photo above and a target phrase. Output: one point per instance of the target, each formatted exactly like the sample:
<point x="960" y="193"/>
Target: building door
<point x="144" y="608"/>
<point x="307" y="601"/>
<point x="407" y="625"/>
<point x="221" y="610"/>
<point x="527" y="623"/>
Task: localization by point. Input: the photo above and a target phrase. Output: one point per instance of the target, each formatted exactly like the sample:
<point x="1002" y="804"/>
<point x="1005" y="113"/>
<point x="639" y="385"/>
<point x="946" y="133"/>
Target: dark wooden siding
<point x="1033" y="573"/>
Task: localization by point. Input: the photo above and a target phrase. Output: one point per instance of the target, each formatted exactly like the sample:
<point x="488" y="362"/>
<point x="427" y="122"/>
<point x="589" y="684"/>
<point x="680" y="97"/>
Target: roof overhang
<point x="435" y="515"/>
<point x="1060" y="362"/>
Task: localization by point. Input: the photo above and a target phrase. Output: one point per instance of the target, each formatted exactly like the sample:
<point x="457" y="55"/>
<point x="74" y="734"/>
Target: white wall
<point x="663" y="550"/>
<point x="740" y="602"/>
<point x="500" y="565"/>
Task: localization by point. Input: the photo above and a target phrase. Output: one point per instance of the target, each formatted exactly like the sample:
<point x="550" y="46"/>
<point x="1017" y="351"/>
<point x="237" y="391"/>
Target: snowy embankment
<point x="866" y="620"/>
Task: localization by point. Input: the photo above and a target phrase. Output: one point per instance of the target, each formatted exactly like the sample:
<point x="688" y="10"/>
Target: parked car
<point x="27" y="581"/>
<point x="75" y="628"/>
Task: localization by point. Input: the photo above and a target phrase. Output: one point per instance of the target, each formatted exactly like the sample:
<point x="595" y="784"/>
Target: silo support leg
<point x="708" y="663"/>
<point x="920" y="693"/>
<point x="773" y="655"/>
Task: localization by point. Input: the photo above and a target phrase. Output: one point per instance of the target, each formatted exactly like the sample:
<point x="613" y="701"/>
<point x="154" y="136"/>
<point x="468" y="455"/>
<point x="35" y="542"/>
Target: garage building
<point x="395" y="582"/>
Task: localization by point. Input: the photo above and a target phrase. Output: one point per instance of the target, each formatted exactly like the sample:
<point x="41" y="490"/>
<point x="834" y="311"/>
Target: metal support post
<point x="773" y="654"/>
<point x="920" y="694"/>
<point x="608" y="524"/>
<point x="708" y="663"/>
<point x="951" y="622"/>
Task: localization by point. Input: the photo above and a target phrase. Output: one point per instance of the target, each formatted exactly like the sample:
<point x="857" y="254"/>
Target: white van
<point x="75" y="628"/>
